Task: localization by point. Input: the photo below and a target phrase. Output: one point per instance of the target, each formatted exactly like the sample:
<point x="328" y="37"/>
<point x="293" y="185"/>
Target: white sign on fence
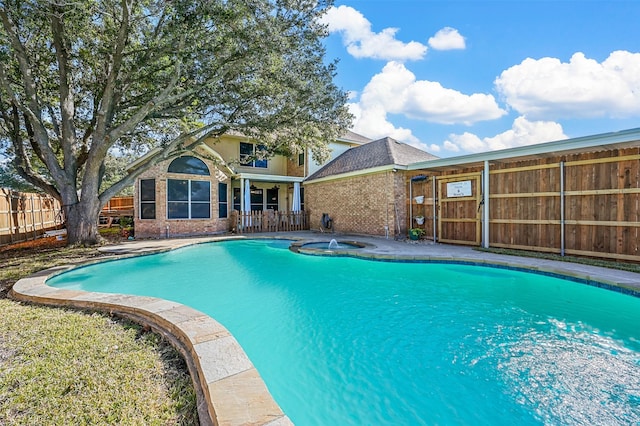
<point x="459" y="189"/>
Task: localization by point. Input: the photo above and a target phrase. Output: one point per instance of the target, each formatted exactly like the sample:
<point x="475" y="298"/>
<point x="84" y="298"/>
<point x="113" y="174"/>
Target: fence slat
<point x="19" y="215"/>
<point x="270" y="221"/>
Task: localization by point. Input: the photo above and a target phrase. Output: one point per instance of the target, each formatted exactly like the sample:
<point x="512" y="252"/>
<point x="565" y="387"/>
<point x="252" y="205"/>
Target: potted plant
<point x="415" y="233"/>
<point x="126" y="227"/>
<point x="419" y="219"/>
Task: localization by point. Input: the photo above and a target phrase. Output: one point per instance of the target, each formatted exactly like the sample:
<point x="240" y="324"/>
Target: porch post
<point x="562" y="218"/>
<point x="241" y="195"/>
<point x="485" y="200"/>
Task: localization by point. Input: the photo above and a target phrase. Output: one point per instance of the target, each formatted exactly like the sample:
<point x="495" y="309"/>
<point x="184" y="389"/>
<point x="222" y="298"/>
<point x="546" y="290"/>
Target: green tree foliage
<point x="80" y="79"/>
<point x="10" y="179"/>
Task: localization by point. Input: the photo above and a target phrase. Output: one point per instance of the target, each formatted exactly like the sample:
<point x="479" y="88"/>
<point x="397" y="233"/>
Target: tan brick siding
<point x="293" y="169"/>
<point x="161" y="227"/>
<point x="363" y="204"/>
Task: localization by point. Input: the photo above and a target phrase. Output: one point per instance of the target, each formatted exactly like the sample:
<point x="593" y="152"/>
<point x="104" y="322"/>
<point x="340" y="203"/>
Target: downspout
<point x="485" y="200"/>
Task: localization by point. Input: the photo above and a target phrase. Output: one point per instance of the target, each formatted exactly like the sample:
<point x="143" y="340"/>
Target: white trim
<point x="142" y="159"/>
<point x="630" y="137"/>
<point x="268" y="178"/>
<point x="218" y="157"/>
<point x="389" y="167"/>
<point x="351" y="141"/>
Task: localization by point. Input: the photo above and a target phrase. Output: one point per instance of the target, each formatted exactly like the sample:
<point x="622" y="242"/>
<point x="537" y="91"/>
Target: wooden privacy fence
<point x="581" y="204"/>
<point x="586" y="205"/>
<point x="269" y="221"/>
<point x="116" y="208"/>
<point x="27" y="216"/>
<point x="119" y="205"/>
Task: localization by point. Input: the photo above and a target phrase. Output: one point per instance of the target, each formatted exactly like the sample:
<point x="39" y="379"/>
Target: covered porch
<point x="267" y="203"/>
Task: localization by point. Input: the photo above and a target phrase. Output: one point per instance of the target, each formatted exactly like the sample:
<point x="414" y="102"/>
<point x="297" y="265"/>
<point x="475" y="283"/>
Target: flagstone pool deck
<point x="230" y="390"/>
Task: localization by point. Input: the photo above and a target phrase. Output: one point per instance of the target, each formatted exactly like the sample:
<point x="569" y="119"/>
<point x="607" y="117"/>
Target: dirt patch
<point x="22" y="259"/>
<point x="5" y="286"/>
<point x="37" y="244"/>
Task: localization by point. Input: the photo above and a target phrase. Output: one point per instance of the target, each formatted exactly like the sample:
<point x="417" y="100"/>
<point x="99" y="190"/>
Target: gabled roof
<point x="352" y="137"/>
<point x="349" y="137"/>
<point x="379" y="153"/>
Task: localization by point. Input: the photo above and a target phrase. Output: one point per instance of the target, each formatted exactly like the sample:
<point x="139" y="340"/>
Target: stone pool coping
<point x="229" y="389"/>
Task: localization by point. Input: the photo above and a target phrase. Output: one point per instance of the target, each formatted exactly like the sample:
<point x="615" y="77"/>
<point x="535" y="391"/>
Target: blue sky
<point x="457" y="77"/>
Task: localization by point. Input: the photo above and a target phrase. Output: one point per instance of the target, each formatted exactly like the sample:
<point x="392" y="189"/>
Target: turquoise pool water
<point x="344" y="341"/>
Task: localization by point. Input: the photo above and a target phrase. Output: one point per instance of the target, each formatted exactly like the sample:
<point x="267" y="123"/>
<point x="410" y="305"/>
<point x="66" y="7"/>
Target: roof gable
<point x="353" y="137"/>
<point x="382" y="152"/>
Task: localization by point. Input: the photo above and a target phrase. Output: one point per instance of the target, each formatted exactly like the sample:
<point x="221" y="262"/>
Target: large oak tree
<point x="82" y="79"/>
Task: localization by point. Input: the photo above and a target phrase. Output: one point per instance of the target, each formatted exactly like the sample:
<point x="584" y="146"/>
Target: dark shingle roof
<point x="382" y="152"/>
<point x="350" y="136"/>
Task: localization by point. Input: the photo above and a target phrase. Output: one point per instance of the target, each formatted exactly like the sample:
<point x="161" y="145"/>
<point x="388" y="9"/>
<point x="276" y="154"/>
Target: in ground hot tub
<point x="326" y="247"/>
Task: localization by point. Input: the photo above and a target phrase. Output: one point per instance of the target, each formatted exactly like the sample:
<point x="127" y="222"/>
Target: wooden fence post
<point x="33" y="218"/>
<point x="10" y="210"/>
<point x="23" y="215"/>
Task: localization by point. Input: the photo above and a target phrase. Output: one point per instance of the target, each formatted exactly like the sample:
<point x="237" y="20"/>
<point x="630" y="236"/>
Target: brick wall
<point x="161" y="227"/>
<point x="293" y="169"/>
<point x="363" y="204"/>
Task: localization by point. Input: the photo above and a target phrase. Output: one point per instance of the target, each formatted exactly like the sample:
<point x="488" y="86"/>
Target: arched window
<point x="189" y="165"/>
<point x="188" y="198"/>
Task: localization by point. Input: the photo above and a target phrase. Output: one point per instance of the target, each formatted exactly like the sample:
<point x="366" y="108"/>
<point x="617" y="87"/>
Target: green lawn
<point x="64" y="367"/>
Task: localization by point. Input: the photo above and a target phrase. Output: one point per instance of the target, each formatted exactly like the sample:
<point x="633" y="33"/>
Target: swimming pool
<point x="350" y="341"/>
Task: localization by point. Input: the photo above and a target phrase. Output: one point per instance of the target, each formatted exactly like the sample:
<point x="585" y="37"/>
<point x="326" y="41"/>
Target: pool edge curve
<point x="228" y="387"/>
<point x="230" y="390"/>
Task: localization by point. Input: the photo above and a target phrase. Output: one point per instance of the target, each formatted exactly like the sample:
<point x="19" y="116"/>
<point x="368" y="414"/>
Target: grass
<point x="631" y="267"/>
<point x="61" y="366"/>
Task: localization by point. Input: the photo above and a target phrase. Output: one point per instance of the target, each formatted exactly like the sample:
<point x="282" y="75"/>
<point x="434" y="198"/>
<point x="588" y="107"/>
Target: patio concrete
<point x="382" y="249"/>
<point x="230" y="390"/>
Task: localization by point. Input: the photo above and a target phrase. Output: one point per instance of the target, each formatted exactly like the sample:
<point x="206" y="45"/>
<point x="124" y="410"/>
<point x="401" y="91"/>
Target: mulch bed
<point x="13" y="255"/>
<point x="40" y="243"/>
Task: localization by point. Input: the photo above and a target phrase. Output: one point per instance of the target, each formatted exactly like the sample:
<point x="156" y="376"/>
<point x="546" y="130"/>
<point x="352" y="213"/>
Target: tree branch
<point x="107" y="100"/>
<point x="168" y="151"/>
<point x="67" y="105"/>
<point x="21" y="161"/>
<point x="32" y="110"/>
<point x="148" y="107"/>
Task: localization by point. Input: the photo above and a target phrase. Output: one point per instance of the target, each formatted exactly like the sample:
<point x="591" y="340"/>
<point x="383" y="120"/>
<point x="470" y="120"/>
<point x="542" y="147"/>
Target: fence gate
<point x="459" y="218"/>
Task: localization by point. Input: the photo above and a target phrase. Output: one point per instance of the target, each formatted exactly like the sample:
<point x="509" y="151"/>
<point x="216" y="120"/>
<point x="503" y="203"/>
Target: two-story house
<point x="216" y="187"/>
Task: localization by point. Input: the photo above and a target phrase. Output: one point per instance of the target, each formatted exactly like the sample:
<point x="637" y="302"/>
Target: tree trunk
<point x="82" y="222"/>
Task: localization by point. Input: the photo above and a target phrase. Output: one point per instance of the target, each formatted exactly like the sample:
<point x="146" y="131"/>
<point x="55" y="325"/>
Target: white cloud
<point x="395" y="90"/>
<point x="352" y="94"/>
<point x="431" y="148"/>
<point x="523" y="132"/>
<point x="373" y="122"/>
<point x="450" y="146"/>
<point x="375" y="125"/>
<point x="581" y="88"/>
<point x="447" y="39"/>
<point x="361" y="42"/>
